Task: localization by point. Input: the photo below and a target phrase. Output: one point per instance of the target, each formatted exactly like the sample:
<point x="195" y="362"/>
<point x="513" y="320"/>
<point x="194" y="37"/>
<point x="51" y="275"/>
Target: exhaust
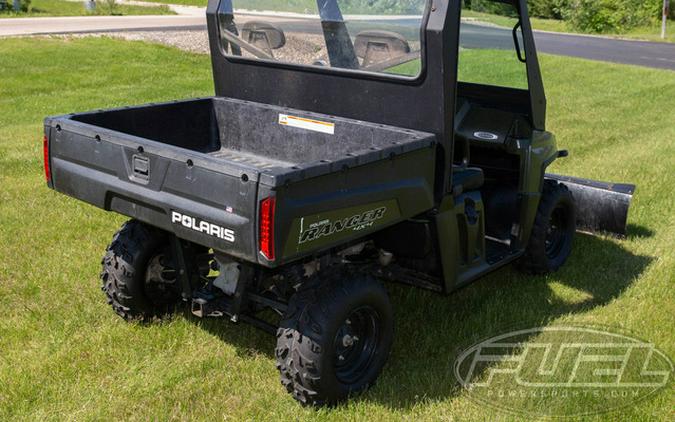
<point x="601" y="207"/>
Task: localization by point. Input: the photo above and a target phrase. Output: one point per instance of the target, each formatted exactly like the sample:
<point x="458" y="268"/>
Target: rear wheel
<point x="335" y="338"/>
<point x="139" y="277"/>
<point x="553" y="231"/>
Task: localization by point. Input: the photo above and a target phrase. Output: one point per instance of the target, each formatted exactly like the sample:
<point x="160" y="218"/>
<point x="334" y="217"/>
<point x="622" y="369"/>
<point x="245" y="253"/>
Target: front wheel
<point x="335" y="338"/>
<point x="553" y="231"/>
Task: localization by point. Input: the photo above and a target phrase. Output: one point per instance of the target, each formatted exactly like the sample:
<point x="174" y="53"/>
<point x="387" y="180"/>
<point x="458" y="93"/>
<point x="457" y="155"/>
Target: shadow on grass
<point x="431" y="329"/>
<point x="634" y="231"/>
<point x="248" y="340"/>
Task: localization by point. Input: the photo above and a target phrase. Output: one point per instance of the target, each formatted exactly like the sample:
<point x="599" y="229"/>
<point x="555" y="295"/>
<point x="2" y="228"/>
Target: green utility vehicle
<point x="347" y="143"/>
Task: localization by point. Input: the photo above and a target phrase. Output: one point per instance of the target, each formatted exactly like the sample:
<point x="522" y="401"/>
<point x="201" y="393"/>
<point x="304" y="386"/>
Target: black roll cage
<point x="426" y="103"/>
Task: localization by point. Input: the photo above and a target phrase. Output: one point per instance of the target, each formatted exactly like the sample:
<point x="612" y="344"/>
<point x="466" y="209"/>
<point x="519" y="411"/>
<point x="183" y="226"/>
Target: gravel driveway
<point x="304" y="48"/>
<point x="193" y="41"/>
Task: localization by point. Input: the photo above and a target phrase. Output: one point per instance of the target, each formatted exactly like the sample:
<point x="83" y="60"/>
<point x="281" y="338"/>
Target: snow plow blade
<point x="601" y="207"/>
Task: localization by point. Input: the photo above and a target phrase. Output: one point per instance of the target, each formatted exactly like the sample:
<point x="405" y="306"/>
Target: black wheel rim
<point x="161" y="286"/>
<point x="557" y="233"/>
<point x="356" y="343"/>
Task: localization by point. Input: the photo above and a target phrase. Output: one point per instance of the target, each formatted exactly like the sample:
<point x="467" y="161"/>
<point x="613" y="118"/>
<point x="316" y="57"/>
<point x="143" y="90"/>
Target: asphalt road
<point x="83" y="24"/>
<point x="641" y="53"/>
<point x="655" y="55"/>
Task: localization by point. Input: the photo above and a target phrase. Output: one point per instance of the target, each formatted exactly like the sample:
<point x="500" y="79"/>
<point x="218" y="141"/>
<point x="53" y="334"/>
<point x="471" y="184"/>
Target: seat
<point x="263" y="35"/>
<point x="379" y="46"/>
<point x="465" y="179"/>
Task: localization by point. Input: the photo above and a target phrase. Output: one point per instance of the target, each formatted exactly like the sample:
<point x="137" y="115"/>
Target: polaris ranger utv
<point x="345" y="145"/>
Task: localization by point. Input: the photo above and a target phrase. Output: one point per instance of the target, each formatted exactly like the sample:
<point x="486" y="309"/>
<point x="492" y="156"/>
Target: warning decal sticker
<point x="308" y="124"/>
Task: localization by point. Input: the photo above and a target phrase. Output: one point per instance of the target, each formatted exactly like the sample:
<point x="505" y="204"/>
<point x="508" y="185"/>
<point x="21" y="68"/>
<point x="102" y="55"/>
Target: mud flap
<point x="601" y="206"/>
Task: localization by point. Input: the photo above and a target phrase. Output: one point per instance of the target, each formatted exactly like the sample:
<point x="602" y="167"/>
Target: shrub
<point x="613" y="15"/>
<point x="549" y="9"/>
<point x="112" y="6"/>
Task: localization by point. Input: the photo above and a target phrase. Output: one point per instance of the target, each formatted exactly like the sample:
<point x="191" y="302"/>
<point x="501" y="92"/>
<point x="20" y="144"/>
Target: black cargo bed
<point x="211" y="161"/>
<point x="260" y="136"/>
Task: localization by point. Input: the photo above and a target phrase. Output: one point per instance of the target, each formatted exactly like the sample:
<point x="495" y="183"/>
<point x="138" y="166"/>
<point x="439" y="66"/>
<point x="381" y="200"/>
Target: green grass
<point x="652" y="33"/>
<point x="45" y="8"/>
<point x="65" y="355"/>
<point x="648" y="33"/>
<point x="479" y="66"/>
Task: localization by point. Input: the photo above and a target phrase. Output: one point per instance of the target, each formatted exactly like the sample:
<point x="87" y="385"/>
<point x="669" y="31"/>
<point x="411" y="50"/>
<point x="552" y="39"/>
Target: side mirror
<point x="379" y="46"/>
<point x="263" y="35"/>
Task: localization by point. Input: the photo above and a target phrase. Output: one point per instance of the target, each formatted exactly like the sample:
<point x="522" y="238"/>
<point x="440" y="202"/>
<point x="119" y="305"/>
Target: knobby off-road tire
<point x="138" y="278"/>
<point x="553" y="231"/>
<point x="334" y="338"/>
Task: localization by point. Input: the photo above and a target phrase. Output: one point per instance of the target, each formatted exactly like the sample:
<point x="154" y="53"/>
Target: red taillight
<point x="267" y="206"/>
<point x="45" y="152"/>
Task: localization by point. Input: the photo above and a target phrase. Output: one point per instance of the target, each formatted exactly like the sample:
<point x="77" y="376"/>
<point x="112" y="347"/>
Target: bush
<point x="613" y="15"/>
<point x="24" y="6"/>
<point x="111" y="5"/>
<point x="549" y="9"/>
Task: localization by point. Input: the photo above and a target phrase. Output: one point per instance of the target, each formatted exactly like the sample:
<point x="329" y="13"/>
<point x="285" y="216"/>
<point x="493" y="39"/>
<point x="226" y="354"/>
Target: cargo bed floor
<point x="258" y="161"/>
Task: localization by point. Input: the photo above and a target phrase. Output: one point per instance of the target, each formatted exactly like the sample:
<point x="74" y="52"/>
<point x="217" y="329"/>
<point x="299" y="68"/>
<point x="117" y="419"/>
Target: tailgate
<point x="208" y="201"/>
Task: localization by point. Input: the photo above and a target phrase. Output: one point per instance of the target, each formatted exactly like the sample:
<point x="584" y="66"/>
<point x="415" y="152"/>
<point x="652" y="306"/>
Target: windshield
<point x="380" y="36"/>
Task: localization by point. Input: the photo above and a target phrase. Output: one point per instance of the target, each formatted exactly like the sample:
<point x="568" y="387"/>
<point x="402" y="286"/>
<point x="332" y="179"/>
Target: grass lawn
<point x="69" y="8"/>
<point x="652" y="33"/>
<point x="65" y="355"/>
<point x="479" y="66"/>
